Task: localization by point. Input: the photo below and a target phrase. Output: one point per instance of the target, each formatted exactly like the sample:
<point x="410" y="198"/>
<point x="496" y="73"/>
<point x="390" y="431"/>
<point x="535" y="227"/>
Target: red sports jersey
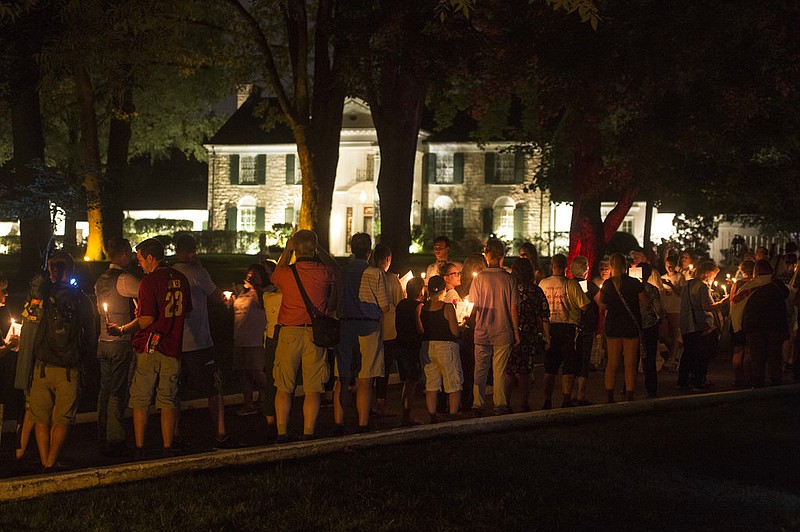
<point x="164" y="295"/>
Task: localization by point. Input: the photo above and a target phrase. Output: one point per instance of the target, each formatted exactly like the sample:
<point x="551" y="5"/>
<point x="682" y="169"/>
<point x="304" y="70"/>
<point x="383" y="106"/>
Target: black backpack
<point x="61" y="342"/>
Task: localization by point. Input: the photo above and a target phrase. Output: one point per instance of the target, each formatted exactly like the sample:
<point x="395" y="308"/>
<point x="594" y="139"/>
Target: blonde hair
<point x="619" y="265"/>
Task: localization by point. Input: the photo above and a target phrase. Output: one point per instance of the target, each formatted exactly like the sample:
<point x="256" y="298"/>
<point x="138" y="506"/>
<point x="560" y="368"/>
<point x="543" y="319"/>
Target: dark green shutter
<point x="234" y="169"/>
<point x="261" y="169"/>
<point x="290" y="159"/>
<point x="458" y="168"/>
<point x="458" y="224"/>
<point x="488" y="168"/>
<point x="288" y="215"/>
<point x="230" y="219"/>
<point x="488" y="221"/>
<point x="519" y="167"/>
<point x="519" y="220"/>
<point x="261" y="215"/>
<point x="429" y="167"/>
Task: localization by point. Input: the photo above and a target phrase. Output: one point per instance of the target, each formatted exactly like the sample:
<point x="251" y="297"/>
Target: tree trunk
<point x="586" y="236"/>
<point x="310" y="195"/>
<point x="84" y="91"/>
<point x="397" y="126"/>
<point x="119" y="139"/>
<point x="28" y="139"/>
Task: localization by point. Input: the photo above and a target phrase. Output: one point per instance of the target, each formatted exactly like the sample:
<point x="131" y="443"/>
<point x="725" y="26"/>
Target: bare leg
<point x="25" y="430"/>
<point x="630" y="348"/>
<point x="510" y="384"/>
<point x="341" y="397"/>
<point x="580" y="393"/>
<point x="614" y="355"/>
<point x="167" y="426"/>
<point x="430" y="402"/>
<point x="140" y="425"/>
<point x="283" y="407"/>
<point x="455" y="401"/>
<point x="216" y="409"/>
<point x="364" y="400"/>
<point x="43" y="442"/>
<point x="310" y="412"/>
<point x="58" y="435"/>
<point x="566" y="386"/>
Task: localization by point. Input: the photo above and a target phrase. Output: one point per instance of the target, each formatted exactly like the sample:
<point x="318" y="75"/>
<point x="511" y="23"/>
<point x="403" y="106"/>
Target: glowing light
<point x="227" y="294"/>
<point x="105" y="312"/>
<point x="87" y="258"/>
<point x="474" y="274"/>
<point x="422" y="275"/>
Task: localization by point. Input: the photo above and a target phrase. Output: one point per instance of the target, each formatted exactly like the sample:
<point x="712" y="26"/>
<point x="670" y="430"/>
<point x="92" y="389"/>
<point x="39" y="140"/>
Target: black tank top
<point x="436" y="326"/>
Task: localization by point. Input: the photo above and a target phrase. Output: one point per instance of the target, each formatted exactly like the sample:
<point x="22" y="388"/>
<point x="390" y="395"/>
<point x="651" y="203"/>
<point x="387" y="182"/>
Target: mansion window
<point x="444" y="168"/>
<point x="627" y="226"/>
<point x="505" y="168"/>
<point x="247" y="218"/>
<point x="247" y="170"/>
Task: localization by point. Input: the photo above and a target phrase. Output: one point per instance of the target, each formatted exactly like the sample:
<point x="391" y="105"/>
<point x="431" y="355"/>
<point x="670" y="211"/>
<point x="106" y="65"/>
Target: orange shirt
<point x="316" y="278"/>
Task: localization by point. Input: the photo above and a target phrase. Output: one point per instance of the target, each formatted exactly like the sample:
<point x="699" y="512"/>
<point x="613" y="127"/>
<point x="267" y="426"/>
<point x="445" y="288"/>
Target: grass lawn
<point x="722" y="468"/>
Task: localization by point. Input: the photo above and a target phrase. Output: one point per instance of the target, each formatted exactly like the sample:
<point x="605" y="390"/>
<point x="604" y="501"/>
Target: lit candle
<point x="691" y="266"/>
<point x="422" y="275"/>
<point x="227" y="294"/>
<point x="474" y="274"/>
<point x="725" y="290"/>
<point x="105" y="312"/>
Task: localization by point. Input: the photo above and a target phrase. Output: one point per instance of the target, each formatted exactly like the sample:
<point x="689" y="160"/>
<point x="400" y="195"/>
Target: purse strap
<point x="313" y="312"/>
<point x="630" y="312"/>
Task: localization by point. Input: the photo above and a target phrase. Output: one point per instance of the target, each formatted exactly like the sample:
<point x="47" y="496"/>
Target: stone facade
<point x="275" y="196"/>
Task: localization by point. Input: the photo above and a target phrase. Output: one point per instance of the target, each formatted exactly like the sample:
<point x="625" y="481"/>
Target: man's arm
<point x="286" y="255"/>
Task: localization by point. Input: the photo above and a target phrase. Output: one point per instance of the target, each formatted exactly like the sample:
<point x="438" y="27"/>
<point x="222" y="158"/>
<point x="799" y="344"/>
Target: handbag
<point x="326" y="329"/>
<point x="642" y="347"/>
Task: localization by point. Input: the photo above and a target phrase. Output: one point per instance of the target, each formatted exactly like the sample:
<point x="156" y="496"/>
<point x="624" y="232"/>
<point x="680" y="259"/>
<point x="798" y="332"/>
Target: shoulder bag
<point x="326" y="329"/>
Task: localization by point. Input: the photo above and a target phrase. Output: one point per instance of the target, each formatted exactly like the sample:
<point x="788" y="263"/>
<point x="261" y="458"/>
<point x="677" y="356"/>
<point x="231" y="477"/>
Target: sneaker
<point x="179" y="445"/>
<point x="308" y="437"/>
<point x="548" y="404"/>
<point x="226" y="442"/>
<point x="339" y="430"/>
<point x="434" y="418"/>
<point x="567" y="403"/>
<point x="280" y="439"/>
<point x="247" y="410"/>
<point x="478" y="412"/>
<point x="502" y="410"/>
<point x="363" y="429"/>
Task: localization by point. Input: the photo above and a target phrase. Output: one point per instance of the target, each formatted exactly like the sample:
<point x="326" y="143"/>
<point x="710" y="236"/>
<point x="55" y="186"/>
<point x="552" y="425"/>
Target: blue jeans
<point x="115" y="363"/>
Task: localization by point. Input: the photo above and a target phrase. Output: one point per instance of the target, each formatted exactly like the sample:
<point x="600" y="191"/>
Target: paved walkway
<point x="85" y="467"/>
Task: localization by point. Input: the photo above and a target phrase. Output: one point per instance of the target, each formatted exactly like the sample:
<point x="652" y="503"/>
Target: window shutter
<point x="290" y="160"/>
<point x="488" y="168"/>
<point x="261" y="215"/>
<point x="230" y="218"/>
<point x="429" y="167"/>
<point x="458" y="168"/>
<point x="519" y="220"/>
<point x="519" y="167"/>
<point x="458" y="224"/>
<point x="488" y="221"/>
<point x="234" y="169"/>
<point x="261" y="169"/>
<point x="428" y="217"/>
<point x="288" y="215"/>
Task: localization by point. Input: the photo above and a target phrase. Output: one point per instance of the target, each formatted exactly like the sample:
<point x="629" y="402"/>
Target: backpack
<point x="61" y="341"/>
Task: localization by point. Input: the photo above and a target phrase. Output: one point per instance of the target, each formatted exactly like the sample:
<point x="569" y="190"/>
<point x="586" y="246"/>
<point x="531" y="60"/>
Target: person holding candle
<point x="474" y="264"/>
<point x="115" y="290"/>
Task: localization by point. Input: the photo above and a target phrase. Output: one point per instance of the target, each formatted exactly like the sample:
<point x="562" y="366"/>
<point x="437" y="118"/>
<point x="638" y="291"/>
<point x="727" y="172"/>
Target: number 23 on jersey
<point x="174" y="304"/>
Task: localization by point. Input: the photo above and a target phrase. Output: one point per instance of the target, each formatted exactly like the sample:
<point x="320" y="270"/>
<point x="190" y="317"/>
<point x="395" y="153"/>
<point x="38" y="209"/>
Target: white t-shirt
<point x="196" y="332"/>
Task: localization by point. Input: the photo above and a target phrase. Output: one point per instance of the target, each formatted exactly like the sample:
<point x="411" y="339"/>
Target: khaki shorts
<point x="54" y="396"/>
<point x="442" y="366"/>
<point x="296" y="349"/>
<point x="366" y="336"/>
<point x="149" y="369"/>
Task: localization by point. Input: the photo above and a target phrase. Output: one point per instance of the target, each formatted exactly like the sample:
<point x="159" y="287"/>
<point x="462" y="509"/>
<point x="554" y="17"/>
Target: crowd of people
<point x="455" y="329"/>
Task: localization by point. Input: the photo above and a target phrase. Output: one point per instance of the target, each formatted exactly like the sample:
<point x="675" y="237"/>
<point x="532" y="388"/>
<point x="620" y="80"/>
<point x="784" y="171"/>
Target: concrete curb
<point x="36" y="486"/>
